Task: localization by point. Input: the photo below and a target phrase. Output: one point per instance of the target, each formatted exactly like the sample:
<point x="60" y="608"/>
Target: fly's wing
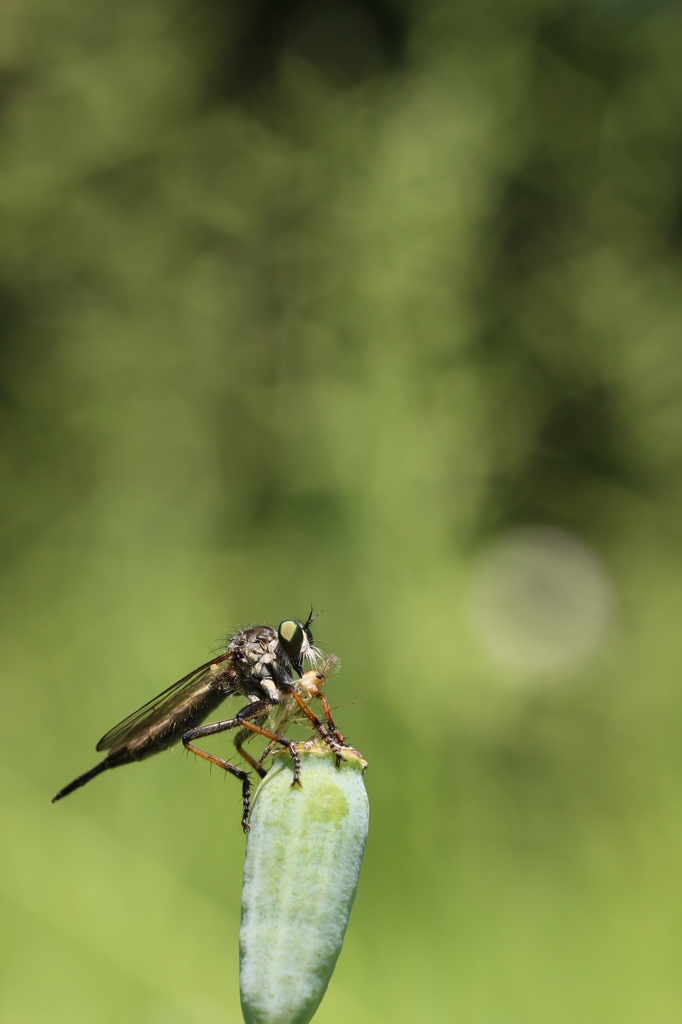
<point x="162" y="704"/>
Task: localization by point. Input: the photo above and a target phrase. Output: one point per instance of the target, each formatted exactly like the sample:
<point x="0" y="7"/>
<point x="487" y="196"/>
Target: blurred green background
<point x="376" y="306"/>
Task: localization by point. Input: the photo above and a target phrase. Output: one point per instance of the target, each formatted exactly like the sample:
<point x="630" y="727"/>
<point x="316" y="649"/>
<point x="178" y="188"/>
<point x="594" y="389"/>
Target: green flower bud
<point x="303" y="857"/>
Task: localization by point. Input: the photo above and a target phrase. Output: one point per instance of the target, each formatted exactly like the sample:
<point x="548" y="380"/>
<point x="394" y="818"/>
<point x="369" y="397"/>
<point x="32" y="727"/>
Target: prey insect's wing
<point x="162" y="704"/>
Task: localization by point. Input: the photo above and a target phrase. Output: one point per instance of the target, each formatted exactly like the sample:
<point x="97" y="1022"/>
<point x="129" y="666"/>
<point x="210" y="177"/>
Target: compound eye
<point x="291" y="637"/>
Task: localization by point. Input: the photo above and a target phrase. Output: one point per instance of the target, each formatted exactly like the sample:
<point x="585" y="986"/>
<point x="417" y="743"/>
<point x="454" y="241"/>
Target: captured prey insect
<point x="258" y="664"/>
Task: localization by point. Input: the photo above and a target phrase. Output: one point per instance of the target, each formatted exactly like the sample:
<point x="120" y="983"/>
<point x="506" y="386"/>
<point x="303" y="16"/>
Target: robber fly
<point x="258" y="664"/>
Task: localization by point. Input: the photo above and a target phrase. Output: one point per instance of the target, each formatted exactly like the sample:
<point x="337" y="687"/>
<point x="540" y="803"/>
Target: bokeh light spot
<point x="541" y="601"/>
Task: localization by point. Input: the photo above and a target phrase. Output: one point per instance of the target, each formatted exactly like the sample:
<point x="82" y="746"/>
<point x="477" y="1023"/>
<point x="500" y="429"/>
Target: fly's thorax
<point x="270" y="690"/>
<point x="260" y="664"/>
<point x="250" y="644"/>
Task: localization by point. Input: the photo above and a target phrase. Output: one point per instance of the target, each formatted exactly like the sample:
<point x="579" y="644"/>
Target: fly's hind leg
<point x="209" y="730"/>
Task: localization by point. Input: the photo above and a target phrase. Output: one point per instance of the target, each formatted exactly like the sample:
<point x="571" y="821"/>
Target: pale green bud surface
<point x="303" y="857"/>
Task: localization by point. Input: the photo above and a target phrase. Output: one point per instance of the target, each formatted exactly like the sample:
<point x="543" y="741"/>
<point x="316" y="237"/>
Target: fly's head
<point x="296" y="642"/>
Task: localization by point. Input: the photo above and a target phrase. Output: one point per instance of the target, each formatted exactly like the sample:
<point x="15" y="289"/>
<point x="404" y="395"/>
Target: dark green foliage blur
<point x="317" y="302"/>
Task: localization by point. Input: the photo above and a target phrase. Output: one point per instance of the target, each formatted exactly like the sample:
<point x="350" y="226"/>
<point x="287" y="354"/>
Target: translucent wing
<point x="162" y="704"/>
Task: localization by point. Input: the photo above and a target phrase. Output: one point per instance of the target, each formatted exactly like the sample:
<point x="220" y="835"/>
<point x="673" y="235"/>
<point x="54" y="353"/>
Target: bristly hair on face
<point x="315" y="656"/>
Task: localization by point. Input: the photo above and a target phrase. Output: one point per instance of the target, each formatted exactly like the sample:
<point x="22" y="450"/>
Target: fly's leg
<point x="265" y="755"/>
<point x="239" y="741"/>
<point x="335" y="741"/>
<point x="330" y="721"/>
<point x="273" y="737"/>
<point x="209" y="730"/>
<point x="253" y="710"/>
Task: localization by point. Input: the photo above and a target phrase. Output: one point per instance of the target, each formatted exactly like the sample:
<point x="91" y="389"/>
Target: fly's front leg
<point x="209" y="730"/>
<point x="309" y="682"/>
<point x="330" y="721"/>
